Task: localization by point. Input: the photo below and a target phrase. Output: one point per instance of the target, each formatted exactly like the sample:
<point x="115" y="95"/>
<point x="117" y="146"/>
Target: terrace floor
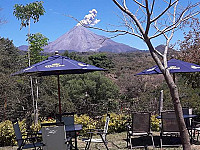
<point x="117" y="141"/>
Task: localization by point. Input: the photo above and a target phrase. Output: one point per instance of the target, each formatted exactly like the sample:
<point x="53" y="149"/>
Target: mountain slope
<point x="81" y="39"/>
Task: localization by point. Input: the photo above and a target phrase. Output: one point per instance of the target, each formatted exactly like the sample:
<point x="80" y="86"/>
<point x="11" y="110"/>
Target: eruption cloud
<point x="89" y="19"/>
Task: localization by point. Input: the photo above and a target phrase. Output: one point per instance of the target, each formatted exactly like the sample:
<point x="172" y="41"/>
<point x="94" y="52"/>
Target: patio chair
<point x="140" y="126"/>
<point x="195" y="129"/>
<point x="169" y="128"/>
<point x="101" y="132"/>
<point x="54" y="137"/>
<point x="26" y="141"/>
<point x="68" y="119"/>
<point x="188" y="121"/>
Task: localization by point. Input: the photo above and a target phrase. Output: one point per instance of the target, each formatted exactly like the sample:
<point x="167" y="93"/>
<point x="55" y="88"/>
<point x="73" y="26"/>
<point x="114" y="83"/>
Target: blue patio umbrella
<point x="174" y="66"/>
<point x="58" y="65"/>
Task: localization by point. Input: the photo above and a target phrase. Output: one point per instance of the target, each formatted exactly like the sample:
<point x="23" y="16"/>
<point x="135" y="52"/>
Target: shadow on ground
<point x="146" y="141"/>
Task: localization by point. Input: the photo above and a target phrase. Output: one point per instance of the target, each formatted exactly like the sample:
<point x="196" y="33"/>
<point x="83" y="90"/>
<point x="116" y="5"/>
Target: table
<point x="74" y="128"/>
<point x="184" y="116"/>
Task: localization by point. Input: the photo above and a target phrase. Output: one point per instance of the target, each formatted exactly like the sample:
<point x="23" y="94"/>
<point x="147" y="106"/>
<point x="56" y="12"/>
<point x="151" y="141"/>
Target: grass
<point x="116" y="142"/>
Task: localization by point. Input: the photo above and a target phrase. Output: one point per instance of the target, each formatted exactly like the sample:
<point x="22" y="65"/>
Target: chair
<point x="188" y="121"/>
<point x="68" y="119"/>
<point x="101" y="132"/>
<point x="195" y="129"/>
<point x="169" y="126"/>
<point x="30" y="141"/>
<point x="140" y="126"/>
<point x="54" y="137"/>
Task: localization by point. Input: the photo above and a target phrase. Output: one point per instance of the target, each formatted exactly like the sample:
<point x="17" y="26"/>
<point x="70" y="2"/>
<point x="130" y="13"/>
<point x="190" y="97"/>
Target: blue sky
<point x="54" y="23"/>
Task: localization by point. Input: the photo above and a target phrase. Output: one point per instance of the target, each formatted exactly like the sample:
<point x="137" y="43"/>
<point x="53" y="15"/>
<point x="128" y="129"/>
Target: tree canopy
<point x="26" y="12"/>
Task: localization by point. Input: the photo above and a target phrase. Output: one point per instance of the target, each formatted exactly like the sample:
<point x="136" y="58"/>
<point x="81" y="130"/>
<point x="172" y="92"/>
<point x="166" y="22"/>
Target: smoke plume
<point x="89" y="19"/>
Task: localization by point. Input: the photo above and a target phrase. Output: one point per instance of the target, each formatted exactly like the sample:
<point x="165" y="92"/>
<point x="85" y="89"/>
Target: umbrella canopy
<point x="58" y="65"/>
<point x="174" y="66"/>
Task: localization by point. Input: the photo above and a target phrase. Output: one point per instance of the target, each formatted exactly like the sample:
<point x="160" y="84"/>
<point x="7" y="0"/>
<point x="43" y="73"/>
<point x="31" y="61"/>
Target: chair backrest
<point x="18" y="133"/>
<point x="141" y="122"/>
<point x="54" y="137"/>
<point x="106" y="123"/>
<point x="188" y="121"/>
<point x="169" y="122"/>
<point x="68" y="118"/>
<point x="187" y="111"/>
<point x="105" y="130"/>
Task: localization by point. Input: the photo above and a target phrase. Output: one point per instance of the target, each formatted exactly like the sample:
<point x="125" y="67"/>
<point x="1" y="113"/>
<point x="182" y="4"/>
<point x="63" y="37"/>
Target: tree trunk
<point x="178" y="110"/>
<point x="175" y="98"/>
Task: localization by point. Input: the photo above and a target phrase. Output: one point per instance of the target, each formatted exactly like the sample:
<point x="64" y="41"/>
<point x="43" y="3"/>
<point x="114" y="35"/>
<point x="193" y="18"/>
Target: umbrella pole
<point x="59" y="97"/>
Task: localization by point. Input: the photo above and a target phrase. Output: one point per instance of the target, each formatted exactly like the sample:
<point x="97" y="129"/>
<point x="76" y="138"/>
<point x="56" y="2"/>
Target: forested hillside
<point x="115" y="90"/>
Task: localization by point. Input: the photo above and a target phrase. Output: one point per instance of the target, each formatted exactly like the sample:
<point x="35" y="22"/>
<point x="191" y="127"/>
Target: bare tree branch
<point x="132" y="16"/>
<point x="166" y="9"/>
<point x="141" y="5"/>
<point x="174" y="25"/>
<point x="121" y="32"/>
<point x="148" y="18"/>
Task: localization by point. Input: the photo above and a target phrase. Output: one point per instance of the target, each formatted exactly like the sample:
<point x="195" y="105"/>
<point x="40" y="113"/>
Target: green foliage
<point x="101" y="60"/>
<point x="25" y="12"/>
<point x="12" y="89"/>
<point x="7" y="134"/>
<point x="75" y="56"/>
<point x="117" y="122"/>
<point x="86" y="121"/>
<point x="37" y="41"/>
<point x="155" y="123"/>
<point x="100" y="90"/>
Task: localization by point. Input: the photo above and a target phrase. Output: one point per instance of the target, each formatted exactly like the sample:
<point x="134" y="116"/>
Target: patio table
<point x="184" y="116"/>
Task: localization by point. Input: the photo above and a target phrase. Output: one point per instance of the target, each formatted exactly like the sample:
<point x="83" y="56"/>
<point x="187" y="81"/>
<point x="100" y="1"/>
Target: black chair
<point x="188" y="121"/>
<point x="169" y="128"/>
<point x="68" y="120"/>
<point x="26" y="141"/>
<point x="139" y="126"/>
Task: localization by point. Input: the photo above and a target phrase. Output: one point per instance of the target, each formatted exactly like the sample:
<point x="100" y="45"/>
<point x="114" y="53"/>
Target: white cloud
<point x="89" y="19"/>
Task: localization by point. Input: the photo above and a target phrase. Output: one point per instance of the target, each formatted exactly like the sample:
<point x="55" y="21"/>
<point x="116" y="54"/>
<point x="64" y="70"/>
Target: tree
<point x="25" y="13"/>
<point x="150" y="20"/>
<point x="37" y="41"/>
<point x="10" y="89"/>
<point x="190" y="52"/>
<point x="100" y="90"/>
<point x="101" y="60"/>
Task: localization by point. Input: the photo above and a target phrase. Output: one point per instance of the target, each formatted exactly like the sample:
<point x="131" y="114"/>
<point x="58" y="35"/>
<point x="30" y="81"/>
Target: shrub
<point x="155" y="123"/>
<point x="117" y="122"/>
<point x="86" y="121"/>
<point x="7" y="134"/>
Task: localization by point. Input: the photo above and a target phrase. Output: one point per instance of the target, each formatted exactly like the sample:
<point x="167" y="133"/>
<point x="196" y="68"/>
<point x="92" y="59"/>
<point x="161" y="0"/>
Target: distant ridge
<point x="80" y="39"/>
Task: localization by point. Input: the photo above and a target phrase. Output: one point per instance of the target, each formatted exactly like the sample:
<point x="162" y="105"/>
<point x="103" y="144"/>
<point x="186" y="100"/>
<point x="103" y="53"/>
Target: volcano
<point x="80" y="39"/>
